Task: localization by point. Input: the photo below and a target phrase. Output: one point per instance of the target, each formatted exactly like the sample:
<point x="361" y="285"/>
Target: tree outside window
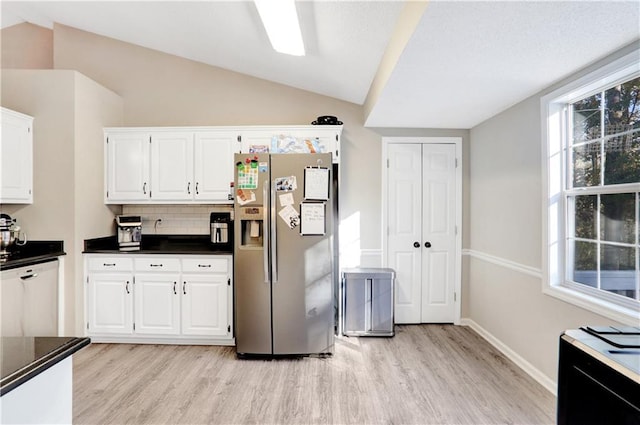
<point x="602" y="198"/>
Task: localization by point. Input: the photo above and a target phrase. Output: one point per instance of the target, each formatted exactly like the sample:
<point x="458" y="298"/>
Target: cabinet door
<point x="16" y="158"/>
<point x="40" y="284"/>
<point x="213" y="165"/>
<point x="127" y="168"/>
<point x="110" y="303"/>
<point x="11" y="302"/>
<point x="205" y="305"/>
<point x="172" y="166"/>
<point x="157" y="303"/>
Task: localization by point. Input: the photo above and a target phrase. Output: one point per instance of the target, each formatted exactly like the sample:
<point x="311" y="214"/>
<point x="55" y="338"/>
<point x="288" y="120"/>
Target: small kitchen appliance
<point x="129" y="232"/>
<point x="220" y="224"/>
<point x="9" y="236"/>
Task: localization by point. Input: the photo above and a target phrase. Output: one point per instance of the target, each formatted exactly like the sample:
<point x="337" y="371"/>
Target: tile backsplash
<point x="174" y="219"/>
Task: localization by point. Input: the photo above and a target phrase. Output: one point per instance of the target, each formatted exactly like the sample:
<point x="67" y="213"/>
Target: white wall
<point x="505" y="251"/>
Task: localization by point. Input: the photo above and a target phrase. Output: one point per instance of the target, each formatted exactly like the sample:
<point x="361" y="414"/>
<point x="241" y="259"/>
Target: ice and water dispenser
<point x="251" y="226"/>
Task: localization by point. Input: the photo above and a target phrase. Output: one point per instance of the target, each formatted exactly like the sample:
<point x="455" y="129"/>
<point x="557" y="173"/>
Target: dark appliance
<point x="129" y="232"/>
<point x="599" y="376"/>
<point x="221" y="231"/>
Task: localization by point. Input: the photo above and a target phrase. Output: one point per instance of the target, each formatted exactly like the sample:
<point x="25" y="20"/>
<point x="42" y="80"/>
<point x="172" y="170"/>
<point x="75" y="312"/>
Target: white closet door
<point x="422" y="230"/>
<point x="438" y="233"/>
<point x="405" y="228"/>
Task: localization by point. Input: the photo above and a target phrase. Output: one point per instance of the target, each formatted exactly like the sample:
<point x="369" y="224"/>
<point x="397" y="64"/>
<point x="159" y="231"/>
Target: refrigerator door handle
<point x="274" y="239"/>
<point x="265" y="232"/>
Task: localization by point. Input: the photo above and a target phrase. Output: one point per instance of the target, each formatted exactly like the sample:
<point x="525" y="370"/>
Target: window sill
<point x="624" y="315"/>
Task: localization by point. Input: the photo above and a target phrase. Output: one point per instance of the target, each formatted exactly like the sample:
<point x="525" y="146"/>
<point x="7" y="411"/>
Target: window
<point x="592" y="176"/>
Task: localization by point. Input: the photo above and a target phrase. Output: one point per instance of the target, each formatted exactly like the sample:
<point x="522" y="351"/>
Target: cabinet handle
<point x="174" y="288"/>
<point x="126" y="287"/>
<point x="204" y="265"/>
<point x="29" y="276"/>
<point x="108" y="264"/>
<point x="197" y="192"/>
<point x="189" y="188"/>
<point x="155" y="265"/>
<point x="144" y="188"/>
<point x="184" y="288"/>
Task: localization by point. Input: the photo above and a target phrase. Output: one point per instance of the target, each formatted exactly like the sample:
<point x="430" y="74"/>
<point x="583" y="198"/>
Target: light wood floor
<point x="426" y="374"/>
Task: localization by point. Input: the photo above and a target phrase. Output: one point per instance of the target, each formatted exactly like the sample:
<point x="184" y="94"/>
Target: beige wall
<point x="69" y="112"/>
<point x="26" y="46"/>
<point x="163" y="90"/>
<point x="95" y="107"/>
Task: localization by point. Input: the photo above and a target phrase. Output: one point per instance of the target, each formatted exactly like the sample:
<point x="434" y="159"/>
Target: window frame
<point x="556" y="192"/>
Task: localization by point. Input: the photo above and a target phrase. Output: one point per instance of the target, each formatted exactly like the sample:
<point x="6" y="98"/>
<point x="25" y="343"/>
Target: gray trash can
<point x="367" y="302"/>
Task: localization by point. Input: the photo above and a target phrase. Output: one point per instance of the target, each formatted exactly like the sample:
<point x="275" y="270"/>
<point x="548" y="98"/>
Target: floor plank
<point x="426" y="374"/>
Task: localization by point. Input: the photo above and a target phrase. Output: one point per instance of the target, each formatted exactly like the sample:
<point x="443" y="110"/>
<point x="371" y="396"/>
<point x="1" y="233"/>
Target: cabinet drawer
<point x="157" y="264"/>
<point x="208" y="265"/>
<point x="110" y="264"/>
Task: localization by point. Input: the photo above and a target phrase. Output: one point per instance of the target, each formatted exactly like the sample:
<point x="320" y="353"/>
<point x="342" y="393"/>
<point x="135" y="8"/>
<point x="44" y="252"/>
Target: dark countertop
<point x="156" y="244"/>
<point x="24" y="358"/>
<point x="622" y="358"/>
<point x="33" y="252"/>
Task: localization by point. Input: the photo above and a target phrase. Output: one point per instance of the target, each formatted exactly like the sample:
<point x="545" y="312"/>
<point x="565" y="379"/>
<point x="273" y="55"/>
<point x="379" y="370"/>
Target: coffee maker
<point x="221" y="231"/>
<point x="129" y="232"/>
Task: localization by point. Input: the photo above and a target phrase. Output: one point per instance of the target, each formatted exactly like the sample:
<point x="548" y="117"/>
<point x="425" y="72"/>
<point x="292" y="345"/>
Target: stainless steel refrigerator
<point x="284" y="254"/>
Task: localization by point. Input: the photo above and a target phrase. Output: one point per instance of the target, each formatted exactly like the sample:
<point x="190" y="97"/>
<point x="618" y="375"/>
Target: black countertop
<point x="157" y="244"/>
<point x="26" y="357"/>
<point x="33" y="252"/>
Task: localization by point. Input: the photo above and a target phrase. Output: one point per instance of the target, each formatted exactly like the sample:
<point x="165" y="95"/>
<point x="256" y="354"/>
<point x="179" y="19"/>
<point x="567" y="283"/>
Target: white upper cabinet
<point x="172" y="166"/>
<point x="127" y="168"/>
<point x="168" y="165"/>
<point x="181" y="165"/>
<point x="213" y="164"/>
<point x="16" y="158"/>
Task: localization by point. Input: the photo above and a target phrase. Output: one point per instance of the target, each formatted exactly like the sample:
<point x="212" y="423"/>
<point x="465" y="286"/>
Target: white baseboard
<point x="531" y="370"/>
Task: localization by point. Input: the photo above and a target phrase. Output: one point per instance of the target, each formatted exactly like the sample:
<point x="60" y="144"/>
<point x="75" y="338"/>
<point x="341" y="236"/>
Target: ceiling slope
<point x="464" y="62"/>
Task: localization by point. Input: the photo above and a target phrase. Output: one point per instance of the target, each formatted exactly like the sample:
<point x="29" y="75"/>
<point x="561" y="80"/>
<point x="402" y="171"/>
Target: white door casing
<point x="422" y="193"/>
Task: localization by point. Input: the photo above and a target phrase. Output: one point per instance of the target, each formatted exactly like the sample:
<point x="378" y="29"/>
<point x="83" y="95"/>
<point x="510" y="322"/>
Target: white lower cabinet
<point x="110" y="303"/>
<point x="163" y="299"/>
<point x="157" y="306"/>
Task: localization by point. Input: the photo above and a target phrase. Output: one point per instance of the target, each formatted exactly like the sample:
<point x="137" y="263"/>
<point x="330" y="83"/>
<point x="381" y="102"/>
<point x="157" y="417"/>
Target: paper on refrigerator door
<point x="286" y="199"/>
<point x="290" y="216"/>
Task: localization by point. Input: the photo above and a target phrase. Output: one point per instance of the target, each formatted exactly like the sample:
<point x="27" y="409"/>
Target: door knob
<point x="416" y="244"/>
<point x="427" y="244"/>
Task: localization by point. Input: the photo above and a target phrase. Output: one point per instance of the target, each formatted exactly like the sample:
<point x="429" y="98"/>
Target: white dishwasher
<point x="29" y="300"/>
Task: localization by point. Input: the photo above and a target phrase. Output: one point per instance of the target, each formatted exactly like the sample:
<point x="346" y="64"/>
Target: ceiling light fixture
<point x="280" y="20"/>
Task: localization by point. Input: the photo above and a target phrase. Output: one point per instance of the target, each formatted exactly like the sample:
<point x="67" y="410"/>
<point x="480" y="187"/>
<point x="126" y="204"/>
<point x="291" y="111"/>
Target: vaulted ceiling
<point x="436" y="64"/>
